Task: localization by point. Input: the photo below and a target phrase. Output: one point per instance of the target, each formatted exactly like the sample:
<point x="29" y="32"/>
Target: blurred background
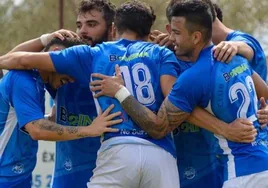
<point x="21" y="20"/>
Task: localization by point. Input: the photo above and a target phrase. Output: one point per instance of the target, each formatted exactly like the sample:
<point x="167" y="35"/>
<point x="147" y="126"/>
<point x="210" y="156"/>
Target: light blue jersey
<point x="141" y="63"/>
<point x="76" y="159"/>
<point x="198" y="162"/>
<point x="230" y="96"/>
<point x="21" y="101"/>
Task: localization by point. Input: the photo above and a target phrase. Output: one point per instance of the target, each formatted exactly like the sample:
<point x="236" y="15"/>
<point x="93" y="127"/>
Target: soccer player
<point x="146" y="66"/>
<point x="22" y="120"/>
<point x="76" y="159"/>
<point x="197" y="162"/>
<point x="226" y="90"/>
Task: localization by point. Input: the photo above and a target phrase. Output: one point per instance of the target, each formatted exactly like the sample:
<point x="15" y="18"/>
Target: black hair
<point x="103" y="6"/>
<point x="218" y="12"/>
<point x="67" y="42"/>
<point x="197" y="15"/>
<point x="172" y="2"/>
<point x="135" y="16"/>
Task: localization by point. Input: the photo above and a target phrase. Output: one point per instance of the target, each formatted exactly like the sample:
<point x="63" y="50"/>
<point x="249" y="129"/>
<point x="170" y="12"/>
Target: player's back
<point x="17" y="149"/>
<point x="142" y="65"/>
<point x="234" y="96"/>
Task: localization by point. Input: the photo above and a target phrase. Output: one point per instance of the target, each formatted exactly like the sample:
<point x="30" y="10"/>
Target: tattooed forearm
<point x="157" y="126"/>
<point x="49" y="126"/>
<point x="53" y="131"/>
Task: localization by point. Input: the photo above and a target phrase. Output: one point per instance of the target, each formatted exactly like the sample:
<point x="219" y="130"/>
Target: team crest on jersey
<point x="18" y="168"/>
<point x="68" y="165"/>
<point x="189" y="173"/>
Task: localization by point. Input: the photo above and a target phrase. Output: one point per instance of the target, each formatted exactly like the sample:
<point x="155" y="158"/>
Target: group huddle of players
<point x="135" y="107"/>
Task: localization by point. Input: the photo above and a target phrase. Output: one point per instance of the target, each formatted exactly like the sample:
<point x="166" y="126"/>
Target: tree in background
<point x="31" y="18"/>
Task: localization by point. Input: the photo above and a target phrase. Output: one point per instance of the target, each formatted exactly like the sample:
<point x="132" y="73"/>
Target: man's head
<point x="173" y="2"/>
<point x="53" y="79"/>
<point x="218" y="12"/>
<point x="134" y="16"/>
<point x="191" y="26"/>
<point x="94" y="20"/>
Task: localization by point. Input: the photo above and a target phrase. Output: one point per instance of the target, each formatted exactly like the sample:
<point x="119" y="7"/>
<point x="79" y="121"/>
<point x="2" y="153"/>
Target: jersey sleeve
<point x="25" y="100"/>
<point x="170" y="65"/>
<point x="188" y="92"/>
<point x="74" y="61"/>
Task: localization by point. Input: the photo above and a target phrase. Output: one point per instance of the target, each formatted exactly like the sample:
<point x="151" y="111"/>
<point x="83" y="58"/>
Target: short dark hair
<point x="218" y="12"/>
<point x="104" y="6"/>
<point x="67" y="42"/>
<point x="135" y="16"/>
<point x="197" y="15"/>
<point x="172" y="2"/>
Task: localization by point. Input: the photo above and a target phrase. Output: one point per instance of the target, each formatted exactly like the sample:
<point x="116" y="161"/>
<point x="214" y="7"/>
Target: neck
<point x="130" y="35"/>
<point x="196" y="52"/>
<point x="220" y="31"/>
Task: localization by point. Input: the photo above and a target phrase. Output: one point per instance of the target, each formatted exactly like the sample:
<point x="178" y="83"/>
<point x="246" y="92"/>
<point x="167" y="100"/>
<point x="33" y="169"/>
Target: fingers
<point x="108" y="110"/>
<point x="96" y="88"/>
<point x="97" y="75"/>
<point x="263" y="102"/>
<point x="231" y="57"/>
<point x="164" y="41"/>
<point x="156" y="32"/>
<point x="111" y="130"/>
<point x="113" y="122"/>
<point x="96" y="82"/>
<point x="245" y="121"/>
<point x="117" y="70"/>
<point x="217" y="49"/>
<point x="113" y="115"/>
<point x="99" y="94"/>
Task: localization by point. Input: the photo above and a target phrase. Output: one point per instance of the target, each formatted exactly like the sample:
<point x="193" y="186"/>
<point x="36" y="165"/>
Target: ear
<point x="168" y="28"/>
<point x="113" y="32"/>
<point x="197" y="37"/>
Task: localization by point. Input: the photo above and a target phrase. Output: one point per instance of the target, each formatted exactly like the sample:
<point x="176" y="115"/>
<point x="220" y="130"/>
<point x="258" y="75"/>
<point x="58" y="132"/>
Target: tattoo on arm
<point x="157" y="126"/>
<point x="59" y="129"/>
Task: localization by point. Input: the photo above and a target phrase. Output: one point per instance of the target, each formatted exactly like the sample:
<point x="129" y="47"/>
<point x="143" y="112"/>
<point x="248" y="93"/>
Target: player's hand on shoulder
<point x="61" y="34"/>
<point x="161" y="38"/>
<point x="107" y="85"/>
<point x="103" y="122"/>
<point x="263" y="113"/>
<point x="240" y="130"/>
<point x="225" y="51"/>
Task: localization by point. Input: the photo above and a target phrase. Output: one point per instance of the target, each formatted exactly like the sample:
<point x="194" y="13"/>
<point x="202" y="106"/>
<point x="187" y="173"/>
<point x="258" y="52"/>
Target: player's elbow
<point x="34" y="131"/>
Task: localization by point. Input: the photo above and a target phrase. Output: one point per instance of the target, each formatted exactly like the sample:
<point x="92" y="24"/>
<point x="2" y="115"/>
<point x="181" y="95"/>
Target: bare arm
<point x="43" y="129"/>
<point x="27" y="60"/>
<point x="260" y="86"/>
<point x="36" y="45"/>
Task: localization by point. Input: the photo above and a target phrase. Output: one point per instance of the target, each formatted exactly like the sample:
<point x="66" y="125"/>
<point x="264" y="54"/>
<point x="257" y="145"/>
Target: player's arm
<point x="260" y="86"/>
<point x="43" y="129"/>
<point x="38" y="44"/>
<point x="27" y="60"/>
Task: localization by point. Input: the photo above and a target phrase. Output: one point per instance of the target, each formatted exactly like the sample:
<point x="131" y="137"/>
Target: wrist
<point x="122" y="94"/>
<point x="44" y="39"/>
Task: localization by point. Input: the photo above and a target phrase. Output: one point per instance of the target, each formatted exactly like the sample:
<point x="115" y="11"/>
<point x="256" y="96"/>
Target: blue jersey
<point x="230" y="96"/>
<point x="21" y="101"/>
<point x="258" y="63"/>
<point x="197" y="159"/>
<point x="141" y="63"/>
<point x="76" y="159"/>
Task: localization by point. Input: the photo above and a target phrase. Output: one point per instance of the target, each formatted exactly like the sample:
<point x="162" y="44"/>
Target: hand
<point x="263" y="113"/>
<point x="162" y="39"/>
<point x="225" y="51"/>
<point x="108" y="85"/>
<point x="103" y="122"/>
<point x="240" y="130"/>
<point x="61" y="34"/>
